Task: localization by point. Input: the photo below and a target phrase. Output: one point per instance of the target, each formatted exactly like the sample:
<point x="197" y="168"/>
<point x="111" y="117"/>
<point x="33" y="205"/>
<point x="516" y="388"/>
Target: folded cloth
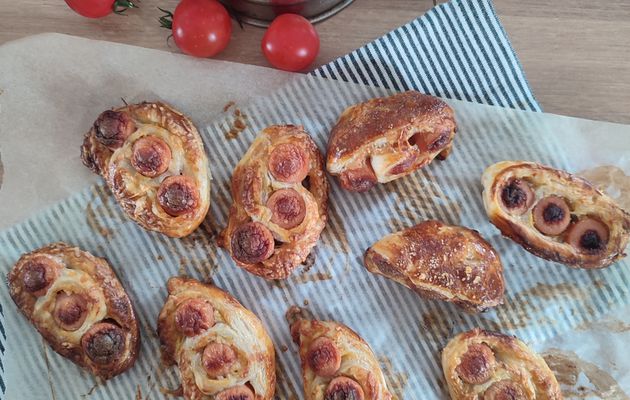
<point x="457" y="50"/>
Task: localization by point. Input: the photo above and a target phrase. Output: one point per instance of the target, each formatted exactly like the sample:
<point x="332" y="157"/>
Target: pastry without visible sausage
<point x="442" y="262"/>
<point x="221" y="348"/>
<point x="480" y="365"/>
<point x="387" y="138"/>
<point x="77" y="304"/>
<point x="555" y="215"/>
<point x="153" y="160"/>
<point x="336" y="363"/>
<point x="279" y="193"/>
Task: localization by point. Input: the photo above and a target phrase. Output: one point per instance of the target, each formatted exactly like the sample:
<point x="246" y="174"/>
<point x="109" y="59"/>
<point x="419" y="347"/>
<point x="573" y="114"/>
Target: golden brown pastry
<point x="336" y="363"/>
<point x="153" y="160"/>
<point x="480" y="365"/>
<point x="555" y="215"/>
<point x="389" y="137"/>
<point x="221" y="348"/>
<point x="441" y="262"/>
<point x="77" y="304"/>
<point x="279" y="193"/>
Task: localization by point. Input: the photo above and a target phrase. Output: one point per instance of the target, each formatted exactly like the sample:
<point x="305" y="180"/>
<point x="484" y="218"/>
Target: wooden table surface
<point x="576" y="53"/>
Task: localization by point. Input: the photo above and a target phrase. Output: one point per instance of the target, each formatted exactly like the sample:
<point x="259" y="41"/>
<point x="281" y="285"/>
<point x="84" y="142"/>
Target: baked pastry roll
<point x="389" y="137"/>
<point x="279" y="192"/>
<point x="76" y="302"/>
<point x="554" y="214"/>
<point x="221" y="348"/>
<point x="480" y="365"/>
<point x="336" y="363"/>
<point x="153" y="160"/>
<point x="441" y="262"/>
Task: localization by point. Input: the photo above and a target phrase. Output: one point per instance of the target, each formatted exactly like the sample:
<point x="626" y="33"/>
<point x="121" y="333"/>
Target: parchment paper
<point x="558" y="311"/>
<point x="52" y="86"/>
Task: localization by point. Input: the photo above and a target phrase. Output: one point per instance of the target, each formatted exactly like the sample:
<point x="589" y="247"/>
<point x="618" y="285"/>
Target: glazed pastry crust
<point x="513" y="361"/>
<point x="583" y="200"/>
<point x="234" y="325"/>
<point x="358" y="362"/>
<point x="78" y="272"/>
<point x="376" y="135"/>
<point x="253" y="184"/>
<point x="137" y="194"/>
<point x="441" y="262"/>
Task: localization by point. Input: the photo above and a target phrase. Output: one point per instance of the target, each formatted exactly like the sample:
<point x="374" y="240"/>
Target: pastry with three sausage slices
<point x="337" y="364"/>
<point x="387" y="138"/>
<point x="152" y="158"/>
<point x="554" y="214"/>
<point x="76" y="302"/>
<point x="279" y="209"/>
<point x="480" y="365"/>
<point x="222" y="350"/>
<point x="441" y="262"/>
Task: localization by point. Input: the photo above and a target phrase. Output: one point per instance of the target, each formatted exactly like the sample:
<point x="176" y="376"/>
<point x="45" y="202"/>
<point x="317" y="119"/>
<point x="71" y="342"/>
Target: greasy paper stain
<point x="204" y="234"/>
<point x="238" y="124"/>
<point x="607" y="325"/>
<point x="568" y="367"/>
<point x="100" y="207"/>
<point x="228" y="105"/>
<point x="612" y="181"/>
<point x="92" y="221"/>
<point x="419" y="204"/>
<point x="201" y="240"/>
<point x="315" y="277"/>
<point x="92" y="389"/>
<point x="204" y="269"/>
<point x="396" y="381"/>
<point x="282" y="380"/>
<point x="436" y="323"/>
<point x="340" y="236"/>
<point x="524" y="313"/>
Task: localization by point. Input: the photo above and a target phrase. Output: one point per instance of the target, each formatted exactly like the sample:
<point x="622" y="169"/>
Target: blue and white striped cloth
<point x="457" y="50"/>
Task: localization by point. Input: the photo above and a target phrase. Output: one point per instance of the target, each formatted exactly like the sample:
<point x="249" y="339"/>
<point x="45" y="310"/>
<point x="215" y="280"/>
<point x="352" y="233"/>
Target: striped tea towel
<point x="458" y="50"/>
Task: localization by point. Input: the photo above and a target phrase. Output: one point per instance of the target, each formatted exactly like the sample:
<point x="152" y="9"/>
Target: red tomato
<point x="201" y="28"/>
<point x="291" y="42"/>
<point x="91" y="8"/>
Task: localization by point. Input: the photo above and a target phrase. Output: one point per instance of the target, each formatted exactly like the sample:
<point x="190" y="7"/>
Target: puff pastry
<point x="554" y="214"/>
<point x="337" y="364"/>
<point x="480" y="365"/>
<point x="441" y="262"/>
<point x="153" y="160"/>
<point x="221" y="348"/>
<point x="387" y="138"/>
<point x="77" y="304"/>
<point x="279" y="209"/>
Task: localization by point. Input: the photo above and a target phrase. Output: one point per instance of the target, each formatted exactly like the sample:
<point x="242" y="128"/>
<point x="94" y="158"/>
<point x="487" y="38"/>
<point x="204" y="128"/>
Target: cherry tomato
<point x="92" y="8"/>
<point x="291" y="42"/>
<point x="201" y="28"/>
